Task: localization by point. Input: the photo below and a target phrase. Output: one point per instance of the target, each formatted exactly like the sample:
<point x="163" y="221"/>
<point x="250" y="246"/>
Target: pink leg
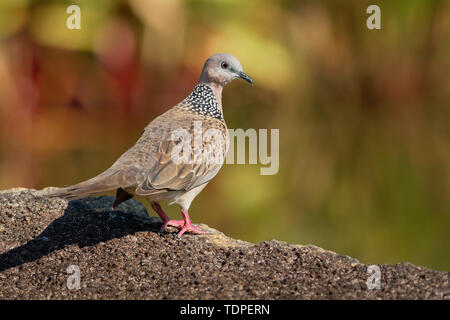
<point x="188" y="227"/>
<point x="185" y="225"/>
<point x="165" y="218"/>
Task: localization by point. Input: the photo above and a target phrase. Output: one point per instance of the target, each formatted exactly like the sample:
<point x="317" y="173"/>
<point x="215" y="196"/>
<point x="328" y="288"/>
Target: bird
<point x="162" y="166"/>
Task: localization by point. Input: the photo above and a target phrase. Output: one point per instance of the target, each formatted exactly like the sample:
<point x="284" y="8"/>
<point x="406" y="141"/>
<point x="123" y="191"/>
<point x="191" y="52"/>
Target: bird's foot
<point x="184" y="227"/>
<point x="188" y="227"/>
<point x="174" y="223"/>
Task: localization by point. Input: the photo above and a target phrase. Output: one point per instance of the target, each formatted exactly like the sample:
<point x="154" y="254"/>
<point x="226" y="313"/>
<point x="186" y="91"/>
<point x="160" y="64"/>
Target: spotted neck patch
<point x="202" y="101"/>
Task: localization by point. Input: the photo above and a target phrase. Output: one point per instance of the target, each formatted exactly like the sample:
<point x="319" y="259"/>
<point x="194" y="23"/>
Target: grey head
<point x="221" y="69"/>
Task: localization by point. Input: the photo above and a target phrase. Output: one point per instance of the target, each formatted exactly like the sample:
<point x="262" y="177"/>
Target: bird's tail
<point x="105" y="181"/>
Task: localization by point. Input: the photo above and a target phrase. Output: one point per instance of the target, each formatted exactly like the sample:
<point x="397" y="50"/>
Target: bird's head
<point x="221" y="69"/>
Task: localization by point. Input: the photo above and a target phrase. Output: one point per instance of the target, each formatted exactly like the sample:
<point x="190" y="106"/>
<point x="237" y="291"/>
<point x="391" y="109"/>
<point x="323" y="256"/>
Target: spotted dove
<point x="149" y="169"/>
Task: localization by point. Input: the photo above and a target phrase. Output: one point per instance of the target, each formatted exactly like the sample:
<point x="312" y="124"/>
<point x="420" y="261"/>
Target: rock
<point x="120" y="254"/>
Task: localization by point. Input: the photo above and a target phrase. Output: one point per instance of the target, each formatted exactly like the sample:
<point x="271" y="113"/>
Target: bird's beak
<point x="245" y="77"/>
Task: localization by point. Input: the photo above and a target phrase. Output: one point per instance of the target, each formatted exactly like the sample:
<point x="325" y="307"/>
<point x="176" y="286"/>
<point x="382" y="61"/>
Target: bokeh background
<point x="363" y="114"/>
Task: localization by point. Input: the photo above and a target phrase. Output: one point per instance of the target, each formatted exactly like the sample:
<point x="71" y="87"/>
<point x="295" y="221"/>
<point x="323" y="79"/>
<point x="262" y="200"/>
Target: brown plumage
<point x="155" y="167"/>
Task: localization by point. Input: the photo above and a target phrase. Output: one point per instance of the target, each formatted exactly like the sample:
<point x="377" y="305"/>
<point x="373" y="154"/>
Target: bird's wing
<point x="160" y="153"/>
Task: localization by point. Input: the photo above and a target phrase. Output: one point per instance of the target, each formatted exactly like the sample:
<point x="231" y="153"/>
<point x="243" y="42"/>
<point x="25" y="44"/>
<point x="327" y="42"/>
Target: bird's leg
<point x="188" y="227"/>
<point x="165" y="218"/>
<point x="185" y="225"/>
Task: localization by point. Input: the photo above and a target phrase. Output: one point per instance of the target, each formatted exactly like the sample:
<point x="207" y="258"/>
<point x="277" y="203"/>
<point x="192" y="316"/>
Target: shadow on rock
<point x="85" y="222"/>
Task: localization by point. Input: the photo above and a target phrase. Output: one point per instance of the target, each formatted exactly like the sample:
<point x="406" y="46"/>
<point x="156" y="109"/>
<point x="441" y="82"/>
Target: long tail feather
<point x="104" y="182"/>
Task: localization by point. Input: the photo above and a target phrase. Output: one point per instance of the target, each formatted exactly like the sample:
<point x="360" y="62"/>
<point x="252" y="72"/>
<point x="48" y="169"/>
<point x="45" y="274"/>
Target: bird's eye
<point x="225" y="65"/>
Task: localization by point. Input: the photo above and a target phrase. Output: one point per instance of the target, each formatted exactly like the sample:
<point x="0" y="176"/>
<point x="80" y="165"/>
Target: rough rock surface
<point x="121" y="255"/>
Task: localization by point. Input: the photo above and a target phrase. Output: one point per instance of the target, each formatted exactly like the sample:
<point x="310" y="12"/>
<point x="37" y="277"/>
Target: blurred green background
<point x="363" y="114"/>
